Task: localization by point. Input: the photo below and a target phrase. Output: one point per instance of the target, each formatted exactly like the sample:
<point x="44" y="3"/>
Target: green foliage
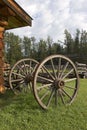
<point x="68" y="43"/>
<point x="23" y="113"/>
<point x="42" y="49"/>
<point x="27" y="46"/>
<point x="13" y="48"/>
<point x="75" y="47"/>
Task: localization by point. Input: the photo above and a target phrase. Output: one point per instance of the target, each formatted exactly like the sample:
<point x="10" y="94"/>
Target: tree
<point x="77" y="42"/>
<point x="26" y="47"/>
<point x="13" y="48"/>
<point x="33" y="48"/>
<point x="68" y="43"/>
<point x="83" y="46"/>
<point x="42" y="49"/>
<point x="49" y="45"/>
<point x="57" y="48"/>
<point x="17" y="48"/>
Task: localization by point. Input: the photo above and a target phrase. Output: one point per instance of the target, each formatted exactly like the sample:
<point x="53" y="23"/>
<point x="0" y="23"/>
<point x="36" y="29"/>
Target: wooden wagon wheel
<point x="21" y="75"/>
<point x="56" y="81"/>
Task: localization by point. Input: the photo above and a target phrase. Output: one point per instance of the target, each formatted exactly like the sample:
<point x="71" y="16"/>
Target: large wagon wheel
<point x="21" y="75"/>
<point x="55" y="81"/>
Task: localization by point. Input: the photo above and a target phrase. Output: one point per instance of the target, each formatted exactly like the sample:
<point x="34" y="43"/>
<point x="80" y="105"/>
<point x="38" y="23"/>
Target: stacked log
<point x="2" y="87"/>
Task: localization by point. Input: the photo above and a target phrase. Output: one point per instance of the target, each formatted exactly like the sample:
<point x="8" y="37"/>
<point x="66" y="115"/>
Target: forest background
<point x="74" y="47"/>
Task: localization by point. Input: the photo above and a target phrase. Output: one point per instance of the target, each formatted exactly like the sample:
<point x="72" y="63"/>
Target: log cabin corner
<point x="11" y="16"/>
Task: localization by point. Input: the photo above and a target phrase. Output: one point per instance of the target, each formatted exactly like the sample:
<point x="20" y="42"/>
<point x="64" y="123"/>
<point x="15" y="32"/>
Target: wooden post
<point x="2" y="29"/>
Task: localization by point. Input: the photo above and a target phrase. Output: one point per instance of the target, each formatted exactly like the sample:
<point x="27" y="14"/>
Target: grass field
<point x="23" y="113"/>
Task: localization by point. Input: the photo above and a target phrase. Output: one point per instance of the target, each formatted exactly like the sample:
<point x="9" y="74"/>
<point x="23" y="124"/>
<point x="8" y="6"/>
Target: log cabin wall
<point x="11" y="16"/>
<point x="2" y="88"/>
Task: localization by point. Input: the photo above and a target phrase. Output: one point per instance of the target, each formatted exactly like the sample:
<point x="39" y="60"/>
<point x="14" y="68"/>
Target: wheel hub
<point x="59" y="84"/>
<point x="28" y="78"/>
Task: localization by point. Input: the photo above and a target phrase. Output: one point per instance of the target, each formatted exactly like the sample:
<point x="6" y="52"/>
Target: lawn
<point x="23" y="113"/>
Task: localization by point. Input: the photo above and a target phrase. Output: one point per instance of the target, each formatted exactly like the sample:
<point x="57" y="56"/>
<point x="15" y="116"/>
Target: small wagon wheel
<point x="56" y="81"/>
<point x="21" y="75"/>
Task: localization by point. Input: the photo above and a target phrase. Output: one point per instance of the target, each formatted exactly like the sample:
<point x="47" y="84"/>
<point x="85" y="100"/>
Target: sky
<point x="52" y="17"/>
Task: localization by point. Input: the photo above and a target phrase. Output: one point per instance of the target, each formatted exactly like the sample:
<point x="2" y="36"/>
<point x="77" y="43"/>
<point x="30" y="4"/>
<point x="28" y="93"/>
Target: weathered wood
<point x="15" y="16"/>
<point x="81" y="64"/>
<point x="2" y="88"/>
<point x="82" y="69"/>
<point x="11" y="16"/>
<point x="2" y="23"/>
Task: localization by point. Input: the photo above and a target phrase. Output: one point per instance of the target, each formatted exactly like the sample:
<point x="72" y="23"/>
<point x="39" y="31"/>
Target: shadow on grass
<point x="6" y="98"/>
<point x="19" y="102"/>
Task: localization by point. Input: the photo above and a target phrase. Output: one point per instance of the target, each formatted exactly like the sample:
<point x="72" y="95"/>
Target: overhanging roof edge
<point x="7" y="2"/>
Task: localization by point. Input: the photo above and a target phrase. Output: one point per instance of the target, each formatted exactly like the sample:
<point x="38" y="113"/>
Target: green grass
<point x="23" y="113"/>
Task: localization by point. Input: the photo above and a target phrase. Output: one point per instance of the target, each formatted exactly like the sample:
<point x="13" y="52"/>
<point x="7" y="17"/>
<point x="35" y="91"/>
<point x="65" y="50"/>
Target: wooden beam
<point x="3" y="23"/>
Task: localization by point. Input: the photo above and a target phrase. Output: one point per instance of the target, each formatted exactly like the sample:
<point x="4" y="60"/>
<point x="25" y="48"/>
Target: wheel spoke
<point x="25" y="70"/>
<point x="29" y="67"/>
<point x="66" y="94"/>
<point x="25" y="88"/>
<point x="34" y="69"/>
<point x="30" y="86"/>
<point x="17" y="86"/>
<point x="53" y="68"/>
<point x="21" y="70"/>
<point x="50" y="98"/>
<point x="62" y="99"/>
<point x="64" y="69"/>
<point x="46" y="79"/>
<point x="70" y="80"/>
<point x="44" y="95"/>
<point x="48" y="72"/>
<point x="59" y="67"/>
<point x="17" y="80"/>
<point x="68" y="73"/>
<point x="70" y="87"/>
<point x="18" y="74"/>
<point x="44" y="86"/>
